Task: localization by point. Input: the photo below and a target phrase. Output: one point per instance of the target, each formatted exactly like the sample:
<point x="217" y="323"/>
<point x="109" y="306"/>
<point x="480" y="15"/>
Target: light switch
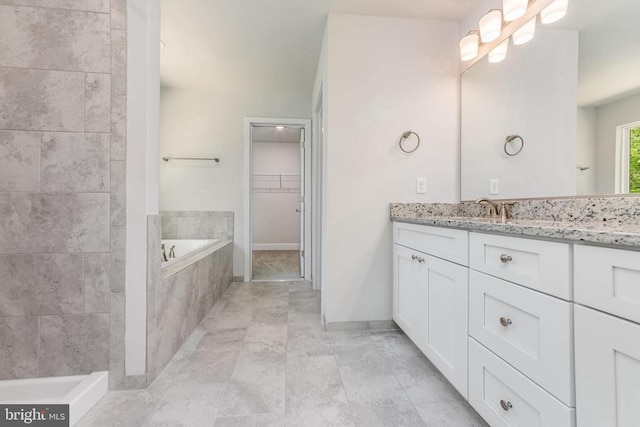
<point x="421" y="185"/>
<point x="494" y="187"/>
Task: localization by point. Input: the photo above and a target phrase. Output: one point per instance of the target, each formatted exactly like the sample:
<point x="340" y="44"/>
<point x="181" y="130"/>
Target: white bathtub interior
<point x="80" y="392"/>
<point x="185" y="247"/>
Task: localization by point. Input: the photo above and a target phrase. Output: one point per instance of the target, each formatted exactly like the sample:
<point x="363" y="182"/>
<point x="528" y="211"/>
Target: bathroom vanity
<point x="536" y="323"/>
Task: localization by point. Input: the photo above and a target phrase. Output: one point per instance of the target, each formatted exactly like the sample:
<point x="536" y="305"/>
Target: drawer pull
<point x="415" y="257"/>
<point x="506" y="258"/>
<point x="506" y="405"/>
<point x="420" y="259"/>
<point x="505" y="322"/>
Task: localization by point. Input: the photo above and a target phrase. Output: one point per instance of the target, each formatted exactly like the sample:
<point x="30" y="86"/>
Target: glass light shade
<point x="499" y="52"/>
<point x="554" y="12"/>
<point x="490" y="26"/>
<point x="514" y="9"/>
<point x="469" y="47"/>
<point x="525" y="33"/>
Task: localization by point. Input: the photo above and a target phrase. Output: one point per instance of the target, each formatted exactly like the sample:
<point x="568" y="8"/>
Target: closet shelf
<point x="275" y="183"/>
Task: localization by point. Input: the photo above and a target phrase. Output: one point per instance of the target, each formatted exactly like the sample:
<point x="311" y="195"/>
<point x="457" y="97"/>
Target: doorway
<point x="628" y="159"/>
<point x="275" y="218"/>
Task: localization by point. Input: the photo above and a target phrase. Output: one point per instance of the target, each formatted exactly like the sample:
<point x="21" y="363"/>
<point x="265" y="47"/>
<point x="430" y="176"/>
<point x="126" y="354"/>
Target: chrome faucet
<point x="490" y="207"/>
<point x="172" y="252"/>
<point x="164" y="255"/>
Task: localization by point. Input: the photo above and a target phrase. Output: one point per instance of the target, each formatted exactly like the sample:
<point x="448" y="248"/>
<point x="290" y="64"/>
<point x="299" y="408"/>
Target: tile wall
<point x="62" y="188"/>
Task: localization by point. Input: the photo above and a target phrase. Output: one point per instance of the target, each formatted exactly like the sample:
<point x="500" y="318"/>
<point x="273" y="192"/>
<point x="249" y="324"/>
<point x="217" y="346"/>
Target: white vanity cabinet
<point x="430" y="295"/>
<point x="607" y="337"/>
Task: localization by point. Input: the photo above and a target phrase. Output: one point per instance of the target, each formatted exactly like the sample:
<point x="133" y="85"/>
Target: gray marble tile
<point x="118" y="193"/>
<point x="41" y="100"/>
<point x="75" y="162"/>
<point x="274" y="335"/>
<point x="54" y="39"/>
<point x="261" y="420"/>
<point x="205" y="227"/>
<point x="169" y="227"/>
<point x="210" y="366"/>
<point x="188" y="405"/>
<point x="20" y="2"/>
<point x="314" y="393"/>
<point x="73" y="344"/>
<point x="258" y="382"/>
<point x="119" y="14"/>
<point x="451" y="414"/>
<point x="304" y="340"/>
<point x="97" y="285"/>
<point x="97" y="102"/>
<point x="18" y="347"/>
<point x="121" y="409"/>
<point x="300" y="286"/>
<point x="54" y="222"/>
<point x="422" y="382"/>
<point x="20" y="161"/>
<point x="118" y="258"/>
<point x="118" y="62"/>
<point x="222" y="340"/>
<point x="153" y="281"/>
<point x="118" y="127"/>
<point x="41" y="284"/>
<point x="116" y="341"/>
<point x="389" y="414"/>
<point x="87" y="5"/>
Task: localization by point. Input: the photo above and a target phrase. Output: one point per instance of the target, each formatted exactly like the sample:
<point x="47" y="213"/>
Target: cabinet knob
<point x="506" y="405"/>
<point x="506" y="258"/>
<point x="420" y="259"/>
<point x="413" y="257"/>
<point x="505" y="321"/>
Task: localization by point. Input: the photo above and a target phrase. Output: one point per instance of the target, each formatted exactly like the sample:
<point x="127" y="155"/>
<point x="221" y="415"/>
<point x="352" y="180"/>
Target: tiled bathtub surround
<point x="197" y="225"/>
<point x="605" y="220"/>
<point x="62" y="187"/>
<point x="181" y="301"/>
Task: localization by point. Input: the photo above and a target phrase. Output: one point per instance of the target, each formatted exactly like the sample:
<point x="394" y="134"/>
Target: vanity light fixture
<point x="499" y="52"/>
<point x="469" y="45"/>
<point x="525" y="33"/>
<point x="490" y="26"/>
<point x="520" y="18"/>
<point x="514" y="9"/>
<point x="554" y="12"/>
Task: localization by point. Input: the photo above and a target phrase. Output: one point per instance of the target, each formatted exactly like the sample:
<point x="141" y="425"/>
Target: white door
<point x="410" y="293"/>
<point x="607" y="369"/>
<point x="302" y="196"/>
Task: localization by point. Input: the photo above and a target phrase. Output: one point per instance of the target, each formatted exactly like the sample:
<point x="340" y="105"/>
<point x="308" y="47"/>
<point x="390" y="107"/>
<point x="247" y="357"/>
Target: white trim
<point x="246" y="241"/>
<point x="623" y="142"/>
<point x="276" y="247"/>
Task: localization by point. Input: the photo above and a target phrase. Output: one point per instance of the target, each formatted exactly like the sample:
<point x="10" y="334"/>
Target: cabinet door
<point x="607" y="370"/>
<point x="410" y="293"/>
<point x="445" y="343"/>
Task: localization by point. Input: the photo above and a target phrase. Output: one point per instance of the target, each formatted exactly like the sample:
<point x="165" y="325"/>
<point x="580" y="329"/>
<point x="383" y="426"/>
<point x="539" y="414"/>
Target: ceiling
<point x="265" y="45"/>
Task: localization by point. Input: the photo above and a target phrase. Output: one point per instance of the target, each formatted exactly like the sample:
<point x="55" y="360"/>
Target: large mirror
<point x="572" y="94"/>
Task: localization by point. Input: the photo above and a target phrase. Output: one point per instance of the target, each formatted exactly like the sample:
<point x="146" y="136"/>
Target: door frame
<point x="306" y="219"/>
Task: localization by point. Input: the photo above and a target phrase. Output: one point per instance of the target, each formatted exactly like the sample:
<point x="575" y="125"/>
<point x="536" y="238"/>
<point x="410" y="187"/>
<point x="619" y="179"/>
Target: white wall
<point x="275" y="222"/>
<point x="384" y="76"/>
<point x="586" y="151"/>
<point x="196" y="123"/>
<point x="609" y="117"/>
<point x="516" y="96"/>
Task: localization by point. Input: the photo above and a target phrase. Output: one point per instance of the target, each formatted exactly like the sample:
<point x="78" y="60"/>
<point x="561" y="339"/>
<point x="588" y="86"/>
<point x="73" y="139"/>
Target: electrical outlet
<point x="421" y="185"/>
<point x="494" y="186"/>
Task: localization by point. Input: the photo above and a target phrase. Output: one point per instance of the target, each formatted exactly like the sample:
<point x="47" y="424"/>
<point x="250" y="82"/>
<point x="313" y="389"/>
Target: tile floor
<point x="276" y="265"/>
<point x="262" y="358"/>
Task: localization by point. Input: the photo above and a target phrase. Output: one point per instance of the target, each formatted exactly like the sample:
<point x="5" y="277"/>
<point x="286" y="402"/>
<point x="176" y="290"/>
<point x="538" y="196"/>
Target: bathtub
<point x="80" y="392"/>
<point x="187" y="252"/>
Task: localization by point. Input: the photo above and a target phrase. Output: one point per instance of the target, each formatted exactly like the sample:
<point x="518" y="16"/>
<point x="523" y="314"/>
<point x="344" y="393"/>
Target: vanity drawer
<point x="536" y="264"/>
<point x="505" y="397"/>
<point x="530" y="330"/>
<point x="444" y="243"/>
<point x="609" y="280"/>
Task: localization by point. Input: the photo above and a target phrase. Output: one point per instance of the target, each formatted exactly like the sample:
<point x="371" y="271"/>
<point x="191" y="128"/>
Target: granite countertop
<point x="601" y="232"/>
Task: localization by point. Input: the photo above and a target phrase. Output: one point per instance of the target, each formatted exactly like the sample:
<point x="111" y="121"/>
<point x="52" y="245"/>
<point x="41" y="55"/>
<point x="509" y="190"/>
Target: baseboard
<point x="275" y="246"/>
<point x="370" y="325"/>
<point x="238" y="279"/>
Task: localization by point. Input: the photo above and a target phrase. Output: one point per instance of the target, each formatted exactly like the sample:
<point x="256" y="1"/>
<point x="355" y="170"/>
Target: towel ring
<point x="406" y="135"/>
<point x="512" y="138"/>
